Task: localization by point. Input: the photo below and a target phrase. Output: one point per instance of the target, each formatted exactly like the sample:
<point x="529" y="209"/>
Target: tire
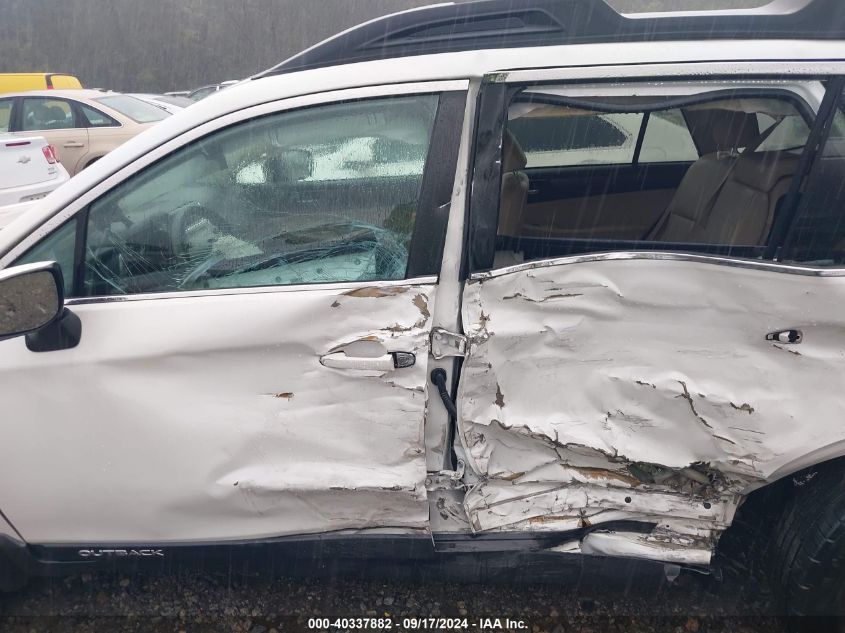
<point x="808" y="545"/>
<point x="11" y="578"/>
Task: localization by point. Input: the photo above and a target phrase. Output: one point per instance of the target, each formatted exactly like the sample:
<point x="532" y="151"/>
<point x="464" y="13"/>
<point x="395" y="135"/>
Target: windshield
<point x="137" y="110"/>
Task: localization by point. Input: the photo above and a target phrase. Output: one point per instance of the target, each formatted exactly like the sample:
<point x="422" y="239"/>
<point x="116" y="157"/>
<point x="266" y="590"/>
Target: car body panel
<point x="642" y="384"/>
<point x="520" y="476"/>
<point x="215" y="420"/>
<point x="25" y="175"/>
<point x="16" y="82"/>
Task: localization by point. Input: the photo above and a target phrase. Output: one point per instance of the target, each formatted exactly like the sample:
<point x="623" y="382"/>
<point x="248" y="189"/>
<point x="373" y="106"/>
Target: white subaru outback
<point x="479" y="276"/>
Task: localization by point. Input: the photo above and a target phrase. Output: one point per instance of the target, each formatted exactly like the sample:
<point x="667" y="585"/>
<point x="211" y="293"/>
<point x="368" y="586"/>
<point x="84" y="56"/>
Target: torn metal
<point x="641" y="390"/>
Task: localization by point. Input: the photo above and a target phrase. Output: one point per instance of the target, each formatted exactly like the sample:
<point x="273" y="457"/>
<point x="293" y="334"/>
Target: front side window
<point x="59" y="247"/>
<point x="694" y="168"/>
<point x="323" y="194"/>
<point x="47" y="114"/>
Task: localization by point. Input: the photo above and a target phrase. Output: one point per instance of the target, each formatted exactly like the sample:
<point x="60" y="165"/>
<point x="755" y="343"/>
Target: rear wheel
<point x="808" y="545"/>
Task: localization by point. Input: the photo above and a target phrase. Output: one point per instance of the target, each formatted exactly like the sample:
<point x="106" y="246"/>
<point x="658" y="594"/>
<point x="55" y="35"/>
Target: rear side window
<point x="5" y="114"/>
<point x="818" y="236"/>
<point x="700" y="169"/>
<point x="137" y="110"/>
<point x="47" y="114"/>
<point x="555" y="137"/>
<point x="667" y="139"/>
<point x="95" y="118"/>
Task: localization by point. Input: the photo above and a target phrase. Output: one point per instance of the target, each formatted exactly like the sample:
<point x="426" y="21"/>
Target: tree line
<point x="162" y="45"/>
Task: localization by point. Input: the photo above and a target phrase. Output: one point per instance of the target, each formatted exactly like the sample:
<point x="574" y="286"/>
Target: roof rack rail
<point x="488" y="24"/>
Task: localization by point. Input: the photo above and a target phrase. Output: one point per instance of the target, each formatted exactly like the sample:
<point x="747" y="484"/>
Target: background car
<point x="83" y="125"/>
<point x="202" y="93"/>
<point x="29" y="170"/>
<point x="16" y="82"/>
<point x="168" y="103"/>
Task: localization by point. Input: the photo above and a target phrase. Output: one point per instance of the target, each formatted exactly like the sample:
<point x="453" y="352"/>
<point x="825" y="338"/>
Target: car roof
<point x="461" y="65"/>
<point x="72" y="93"/>
<point x="496" y="24"/>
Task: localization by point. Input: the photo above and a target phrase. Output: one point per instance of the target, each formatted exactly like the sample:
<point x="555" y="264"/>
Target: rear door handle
<point x="786" y="336"/>
<point x="74" y="144"/>
<point x="387" y="362"/>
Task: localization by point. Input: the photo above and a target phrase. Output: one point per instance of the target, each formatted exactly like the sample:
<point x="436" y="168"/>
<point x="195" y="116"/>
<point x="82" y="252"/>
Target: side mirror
<point x="31" y="298"/>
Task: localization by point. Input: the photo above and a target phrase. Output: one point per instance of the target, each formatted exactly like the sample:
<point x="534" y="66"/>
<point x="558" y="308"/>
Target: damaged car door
<point x="630" y="376"/>
<point x="254" y="313"/>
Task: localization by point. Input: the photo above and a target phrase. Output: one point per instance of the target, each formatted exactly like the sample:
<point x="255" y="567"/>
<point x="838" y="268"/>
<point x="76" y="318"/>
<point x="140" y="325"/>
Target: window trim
<point x="112" y="180"/>
<point x="498" y="90"/>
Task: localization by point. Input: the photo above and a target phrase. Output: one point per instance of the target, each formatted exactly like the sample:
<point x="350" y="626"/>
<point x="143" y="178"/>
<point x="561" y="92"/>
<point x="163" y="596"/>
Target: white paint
<point x="591" y="364"/>
<point x="447" y="310"/>
<point x="25" y="174"/>
<point x="211" y="418"/>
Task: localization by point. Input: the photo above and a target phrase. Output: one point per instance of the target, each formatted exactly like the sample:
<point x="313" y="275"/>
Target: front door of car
<point x="614" y="382"/>
<point x="255" y="309"/>
<point x="58" y="122"/>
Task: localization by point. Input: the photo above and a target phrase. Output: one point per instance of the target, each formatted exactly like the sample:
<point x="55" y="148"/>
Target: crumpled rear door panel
<point x="643" y="389"/>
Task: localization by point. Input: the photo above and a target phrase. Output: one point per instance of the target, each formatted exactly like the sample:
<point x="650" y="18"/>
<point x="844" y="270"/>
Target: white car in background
<point x="29" y="170"/>
<point x="169" y="103"/>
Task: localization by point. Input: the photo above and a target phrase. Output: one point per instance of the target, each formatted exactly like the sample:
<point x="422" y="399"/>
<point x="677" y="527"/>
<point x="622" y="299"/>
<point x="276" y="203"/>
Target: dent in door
<point x="618" y="390"/>
<point x="217" y="421"/>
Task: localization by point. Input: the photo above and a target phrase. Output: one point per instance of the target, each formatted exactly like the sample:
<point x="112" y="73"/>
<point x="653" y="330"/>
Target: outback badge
<point x="119" y="553"/>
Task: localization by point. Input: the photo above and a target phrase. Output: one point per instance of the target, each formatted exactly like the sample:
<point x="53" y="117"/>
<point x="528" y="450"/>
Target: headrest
<point x="763" y="170"/>
<point x="513" y="158"/>
<point x="722" y="130"/>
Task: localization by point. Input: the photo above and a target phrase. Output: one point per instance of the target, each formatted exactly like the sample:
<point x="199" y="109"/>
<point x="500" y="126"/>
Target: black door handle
<point x="786" y="336"/>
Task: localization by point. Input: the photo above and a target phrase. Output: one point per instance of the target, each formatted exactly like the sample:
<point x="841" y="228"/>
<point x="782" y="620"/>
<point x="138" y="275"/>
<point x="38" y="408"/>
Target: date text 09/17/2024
<point x="419" y="623"/>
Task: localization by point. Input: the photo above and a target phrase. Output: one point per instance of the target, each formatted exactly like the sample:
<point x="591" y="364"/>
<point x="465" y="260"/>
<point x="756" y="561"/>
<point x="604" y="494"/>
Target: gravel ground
<point x="607" y="597"/>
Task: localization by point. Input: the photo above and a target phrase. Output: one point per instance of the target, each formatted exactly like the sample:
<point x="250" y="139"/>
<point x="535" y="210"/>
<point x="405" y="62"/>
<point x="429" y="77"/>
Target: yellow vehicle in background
<point x="19" y="82"/>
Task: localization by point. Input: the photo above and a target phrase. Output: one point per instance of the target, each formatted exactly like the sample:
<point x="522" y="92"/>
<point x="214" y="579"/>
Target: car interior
<point x="571" y="186"/>
<point x="310" y="196"/>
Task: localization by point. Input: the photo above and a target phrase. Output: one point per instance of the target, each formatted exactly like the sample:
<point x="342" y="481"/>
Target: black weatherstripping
<point x="491" y="24"/>
<point x="426" y="249"/>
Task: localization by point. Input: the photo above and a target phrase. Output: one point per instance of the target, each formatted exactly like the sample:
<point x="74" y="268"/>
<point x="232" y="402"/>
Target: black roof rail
<point x="487" y="24"/>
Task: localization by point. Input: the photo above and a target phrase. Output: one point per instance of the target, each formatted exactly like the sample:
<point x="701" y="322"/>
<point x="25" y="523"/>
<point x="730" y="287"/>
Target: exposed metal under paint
<point x="616" y="391"/>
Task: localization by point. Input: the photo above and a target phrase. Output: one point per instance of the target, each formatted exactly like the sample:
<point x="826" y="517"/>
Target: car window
<point x="676" y="168"/>
<point x="554" y="136"/>
<point x="47" y="114"/>
<point x="667" y="138"/>
<point x="788" y="132"/>
<point x="324" y="194"/>
<point x="818" y="236"/>
<point x="5" y="114"/>
<point x="137" y="110"/>
<point x="95" y="118"/>
<point x="58" y="247"/>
